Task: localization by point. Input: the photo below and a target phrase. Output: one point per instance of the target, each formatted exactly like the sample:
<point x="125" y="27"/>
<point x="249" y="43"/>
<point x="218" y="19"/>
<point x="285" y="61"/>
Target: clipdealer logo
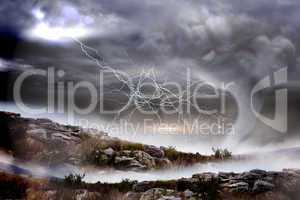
<point x="280" y="120"/>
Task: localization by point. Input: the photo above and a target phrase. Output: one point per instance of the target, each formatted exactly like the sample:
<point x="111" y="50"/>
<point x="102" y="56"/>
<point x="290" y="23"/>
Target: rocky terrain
<point x="45" y="142"/>
<point x="42" y="141"/>
<point x="255" y="184"/>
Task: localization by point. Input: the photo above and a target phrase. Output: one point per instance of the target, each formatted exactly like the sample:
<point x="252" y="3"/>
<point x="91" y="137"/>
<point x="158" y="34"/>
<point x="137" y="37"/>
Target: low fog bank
<point x="273" y="162"/>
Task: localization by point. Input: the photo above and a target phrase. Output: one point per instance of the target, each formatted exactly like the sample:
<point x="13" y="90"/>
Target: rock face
<point x="256" y="184"/>
<point x="40" y="140"/>
<point x="159" y="194"/>
<point x="126" y="163"/>
<point x="262" y="186"/>
<point x="144" y="158"/>
<point x="47" y="142"/>
<point x="239" y="187"/>
<point x="154" y="151"/>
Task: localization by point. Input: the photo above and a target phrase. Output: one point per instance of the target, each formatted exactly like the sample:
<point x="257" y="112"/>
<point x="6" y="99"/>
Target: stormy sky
<point x="219" y="41"/>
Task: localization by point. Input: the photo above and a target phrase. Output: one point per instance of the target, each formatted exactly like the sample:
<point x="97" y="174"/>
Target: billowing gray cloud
<point x="240" y="41"/>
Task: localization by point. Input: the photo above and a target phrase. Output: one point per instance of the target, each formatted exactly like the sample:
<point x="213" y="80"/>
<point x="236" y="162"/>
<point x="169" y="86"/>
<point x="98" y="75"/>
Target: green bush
<point x="171" y="153"/>
<point x="221" y="153"/>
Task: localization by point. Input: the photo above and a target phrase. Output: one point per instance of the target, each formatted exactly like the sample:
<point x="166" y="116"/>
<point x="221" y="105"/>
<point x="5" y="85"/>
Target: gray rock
<point x="132" y="196"/>
<point x="259" y="171"/>
<point x="144" y="158"/>
<point x="169" y="198"/>
<point x="127" y="163"/>
<point x="86" y="195"/>
<point x="154" y="151"/>
<point x="239" y="187"/>
<point x="142" y="186"/>
<point x="205" y="177"/>
<point x="249" y="176"/>
<point x="109" y="152"/>
<point x="158" y="193"/>
<point x="188" y="193"/>
<point x="262" y="186"/>
<point x="226" y="175"/>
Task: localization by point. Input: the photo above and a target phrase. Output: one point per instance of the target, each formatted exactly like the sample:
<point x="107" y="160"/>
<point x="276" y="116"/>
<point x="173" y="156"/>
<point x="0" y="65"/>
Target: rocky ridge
<point x="44" y="141"/>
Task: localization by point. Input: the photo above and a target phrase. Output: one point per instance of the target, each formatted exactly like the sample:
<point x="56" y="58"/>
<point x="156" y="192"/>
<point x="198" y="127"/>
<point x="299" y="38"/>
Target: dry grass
<point x="181" y="158"/>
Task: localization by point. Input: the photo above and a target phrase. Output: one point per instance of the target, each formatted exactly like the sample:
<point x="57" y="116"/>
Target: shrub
<point x="132" y="147"/>
<point x="125" y="185"/>
<point x="171" y="153"/>
<point x="73" y="180"/>
<point x="221" y="153"/>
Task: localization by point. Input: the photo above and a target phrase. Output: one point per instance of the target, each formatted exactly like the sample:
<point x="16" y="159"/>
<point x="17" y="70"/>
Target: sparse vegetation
<point x="171" y="153"/>
<point x="181" y="158"/>
<point x="132" y="146"/>
<point x="221" y="153"/>
<point x="73" y="180"/>
<point x="125" y="186"/>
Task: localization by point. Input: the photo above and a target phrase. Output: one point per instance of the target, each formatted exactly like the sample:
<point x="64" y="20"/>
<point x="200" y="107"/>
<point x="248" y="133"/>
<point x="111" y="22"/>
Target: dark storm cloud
<point x="16" y="14"/>
<point x="224" y="38"/>
<point x="213" y="35"/>
<point x="239" y="41"/>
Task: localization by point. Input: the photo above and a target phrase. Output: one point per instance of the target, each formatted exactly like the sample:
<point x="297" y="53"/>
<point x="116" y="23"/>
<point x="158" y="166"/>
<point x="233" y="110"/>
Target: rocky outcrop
<point x="154" y="151"/>
<point x="283" y="186"/>
<point x="127" y="163"/>
<point x="255" y="184"/>
<point x="262" y="186"/>
<point x="161" y="194"/>
<point x="49" y="143"/>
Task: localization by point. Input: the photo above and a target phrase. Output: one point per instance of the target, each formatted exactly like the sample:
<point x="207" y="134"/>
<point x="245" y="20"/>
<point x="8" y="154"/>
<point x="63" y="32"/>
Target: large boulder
<point x="259" y="171"/>
<point x="249" y="177"/>
<point x="144" y="158"/>
<point x="127" y="163"/>
<point x="239" y="187"/>
<point x="109" y="152"/>
<point x="262" y="186"/>
<point x="205" y="177"/>
<point x="154" y="151"/>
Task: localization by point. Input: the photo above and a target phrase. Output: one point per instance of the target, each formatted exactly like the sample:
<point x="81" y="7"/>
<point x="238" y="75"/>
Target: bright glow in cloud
<point x="38" y="14"/>
<point x="61" y="30"/>
<point x="57" y="33"/>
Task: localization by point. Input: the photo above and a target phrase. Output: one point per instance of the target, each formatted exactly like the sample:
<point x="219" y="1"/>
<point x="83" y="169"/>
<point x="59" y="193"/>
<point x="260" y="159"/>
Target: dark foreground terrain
<point x="256" y="184"/>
